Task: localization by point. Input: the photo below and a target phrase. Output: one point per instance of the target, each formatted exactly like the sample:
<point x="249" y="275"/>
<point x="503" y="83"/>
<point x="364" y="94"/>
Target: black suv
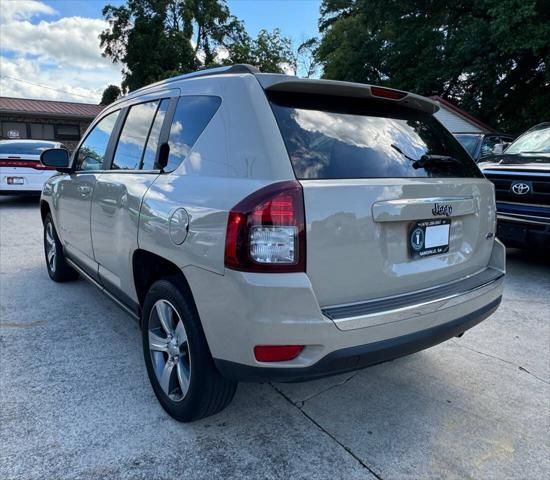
<point x="522" y="187"/>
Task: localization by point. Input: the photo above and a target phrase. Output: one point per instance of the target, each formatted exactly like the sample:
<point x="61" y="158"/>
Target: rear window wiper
<point x="428" y="159"/>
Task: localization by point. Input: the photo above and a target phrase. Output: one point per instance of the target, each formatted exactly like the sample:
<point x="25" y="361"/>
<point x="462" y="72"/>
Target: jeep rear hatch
<point x="393" y="203"/>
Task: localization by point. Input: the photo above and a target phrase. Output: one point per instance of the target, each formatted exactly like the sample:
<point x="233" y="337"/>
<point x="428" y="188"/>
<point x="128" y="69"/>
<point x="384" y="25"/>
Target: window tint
<point x="92" y="151"/>
<point x="133" y="136"/>
<point x="329" y="137"/>
<point x="150" y="154"/>
<point x="190" y="118"/>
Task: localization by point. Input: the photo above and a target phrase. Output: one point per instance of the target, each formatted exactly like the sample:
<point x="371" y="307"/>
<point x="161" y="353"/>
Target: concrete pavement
<point x="75" y="401"/>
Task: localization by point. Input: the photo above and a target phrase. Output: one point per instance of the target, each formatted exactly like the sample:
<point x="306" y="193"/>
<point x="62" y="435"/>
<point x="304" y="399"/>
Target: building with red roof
<point x="457" y="120"/>
<point x="66" y="122"/>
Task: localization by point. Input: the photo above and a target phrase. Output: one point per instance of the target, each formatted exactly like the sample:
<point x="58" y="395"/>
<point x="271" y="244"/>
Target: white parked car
<point x="21" y="171"/>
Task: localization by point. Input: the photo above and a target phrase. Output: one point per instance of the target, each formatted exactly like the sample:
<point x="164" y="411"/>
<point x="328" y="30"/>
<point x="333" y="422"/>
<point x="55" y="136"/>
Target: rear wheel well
<point x="44" y="210"/>
<point x="149" y="267"/>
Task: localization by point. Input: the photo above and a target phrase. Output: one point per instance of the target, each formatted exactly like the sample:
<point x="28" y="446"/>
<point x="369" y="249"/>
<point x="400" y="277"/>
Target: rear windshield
<point x="24" y="148"/>
<point x="337" y="137"/>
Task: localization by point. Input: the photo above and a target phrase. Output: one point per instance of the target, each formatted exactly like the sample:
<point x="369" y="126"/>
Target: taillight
<point x="387" y="93"/>
<point x="266" y="231"/>
<point x="25" y="164"/>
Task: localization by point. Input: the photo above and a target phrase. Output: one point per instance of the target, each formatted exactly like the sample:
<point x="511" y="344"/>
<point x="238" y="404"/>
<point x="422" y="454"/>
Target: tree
<point x="491" y="57"/>
<point x="269" y="51"/>
<point x="149" y="38"/>
<point x="155" y="39"/>
<point x="307" y="65"/>
<point x="110" y="94"/>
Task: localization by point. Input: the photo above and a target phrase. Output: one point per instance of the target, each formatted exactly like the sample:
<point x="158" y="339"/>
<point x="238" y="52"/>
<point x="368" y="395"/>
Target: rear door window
<point x="337" y="137"/>
<point x="150" y="154"/>
<point x="134" y="134"/>
<point x="192" y="115"/>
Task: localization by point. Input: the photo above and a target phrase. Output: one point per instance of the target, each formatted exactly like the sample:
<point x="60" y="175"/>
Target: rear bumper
<point x="33" y="181"/>
<point x="353" y="358"/>
<point x="240" y="310"/>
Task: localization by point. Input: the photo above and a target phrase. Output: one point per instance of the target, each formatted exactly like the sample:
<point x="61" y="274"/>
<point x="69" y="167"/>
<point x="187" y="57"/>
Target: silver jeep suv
<point x="263" y="227"/>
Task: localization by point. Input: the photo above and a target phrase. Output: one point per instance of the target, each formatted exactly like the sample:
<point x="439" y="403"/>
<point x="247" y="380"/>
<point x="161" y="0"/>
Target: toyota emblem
<point x="520" y="188"/>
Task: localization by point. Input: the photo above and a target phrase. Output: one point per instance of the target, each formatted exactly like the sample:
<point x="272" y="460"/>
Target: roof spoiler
<point x="287" y="83"/>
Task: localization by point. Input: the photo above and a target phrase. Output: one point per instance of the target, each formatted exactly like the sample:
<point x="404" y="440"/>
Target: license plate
<point x="429" y="237"/>
<point x="16" y="180"/>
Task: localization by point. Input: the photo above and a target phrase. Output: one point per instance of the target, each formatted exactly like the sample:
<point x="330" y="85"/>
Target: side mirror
<point x="57" y="158"/>
<point x="498" y="148"/>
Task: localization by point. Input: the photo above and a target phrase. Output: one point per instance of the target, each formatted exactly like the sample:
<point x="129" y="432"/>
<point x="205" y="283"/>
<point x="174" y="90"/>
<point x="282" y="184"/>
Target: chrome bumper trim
<point x="518" y="218"/>
<point x="487" y="283"/>
<point x="493" y="289"/>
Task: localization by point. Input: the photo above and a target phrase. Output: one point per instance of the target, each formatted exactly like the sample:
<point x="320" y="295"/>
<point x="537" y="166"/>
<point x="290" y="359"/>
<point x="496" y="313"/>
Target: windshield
<point x="469" y="142"/>
<point x="337" y="137"/>
<point x="536" y="140"/>
<point x="25" y="148"/>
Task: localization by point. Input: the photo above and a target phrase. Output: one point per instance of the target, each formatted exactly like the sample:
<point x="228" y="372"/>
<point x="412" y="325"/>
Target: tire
<point x="58" y="268"/>
<point x="177" y="357"/>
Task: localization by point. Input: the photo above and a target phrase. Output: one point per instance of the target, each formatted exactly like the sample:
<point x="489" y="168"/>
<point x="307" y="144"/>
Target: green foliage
<point x="490" y="57"/>
<point x="110" y="94"/>
<point x="156" y="39"/>
<point x="270" y="52"/>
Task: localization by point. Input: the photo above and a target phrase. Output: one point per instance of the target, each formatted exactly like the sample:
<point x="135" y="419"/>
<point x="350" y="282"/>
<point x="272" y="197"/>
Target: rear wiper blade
<point x="395" y="147"/>
<point x="427" y="159"/>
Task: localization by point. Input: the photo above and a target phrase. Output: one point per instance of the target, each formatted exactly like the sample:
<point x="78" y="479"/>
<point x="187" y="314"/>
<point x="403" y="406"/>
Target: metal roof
<point x="465" y="115"/>
<point x="49" y="107"/>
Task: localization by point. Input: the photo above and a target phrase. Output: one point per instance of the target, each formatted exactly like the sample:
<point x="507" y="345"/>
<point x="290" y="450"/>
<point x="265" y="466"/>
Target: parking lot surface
<point x="76" y="401"/>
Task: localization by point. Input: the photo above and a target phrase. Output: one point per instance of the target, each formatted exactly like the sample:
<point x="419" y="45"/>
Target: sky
<point x="49" y="49"/>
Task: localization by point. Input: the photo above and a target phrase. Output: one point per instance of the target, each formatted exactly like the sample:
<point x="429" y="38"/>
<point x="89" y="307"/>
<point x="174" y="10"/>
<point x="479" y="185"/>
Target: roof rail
<point x="237" y="68"/>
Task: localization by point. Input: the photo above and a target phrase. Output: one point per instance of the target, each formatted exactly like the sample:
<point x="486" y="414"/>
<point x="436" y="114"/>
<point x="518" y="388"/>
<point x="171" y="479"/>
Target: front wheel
<point x="58" y="268"/>
<point x="178" y="360"/>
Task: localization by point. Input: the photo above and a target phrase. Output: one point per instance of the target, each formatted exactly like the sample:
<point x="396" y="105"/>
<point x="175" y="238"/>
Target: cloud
<point x="62" y="54"/>
<point x="23" y="9"/>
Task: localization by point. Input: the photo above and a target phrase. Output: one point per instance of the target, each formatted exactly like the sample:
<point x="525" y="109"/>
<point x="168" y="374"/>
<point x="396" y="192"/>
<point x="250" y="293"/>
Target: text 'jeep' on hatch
<point x="265" y="227"/>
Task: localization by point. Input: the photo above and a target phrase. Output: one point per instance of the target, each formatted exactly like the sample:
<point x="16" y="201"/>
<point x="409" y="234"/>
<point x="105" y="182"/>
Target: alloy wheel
<point x="169" y="350"/>
<point x="50" y="247"/>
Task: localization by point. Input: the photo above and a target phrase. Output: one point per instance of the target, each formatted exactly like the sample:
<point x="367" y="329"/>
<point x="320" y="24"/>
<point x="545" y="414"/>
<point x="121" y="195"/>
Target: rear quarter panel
<point x="239" y="152"/>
